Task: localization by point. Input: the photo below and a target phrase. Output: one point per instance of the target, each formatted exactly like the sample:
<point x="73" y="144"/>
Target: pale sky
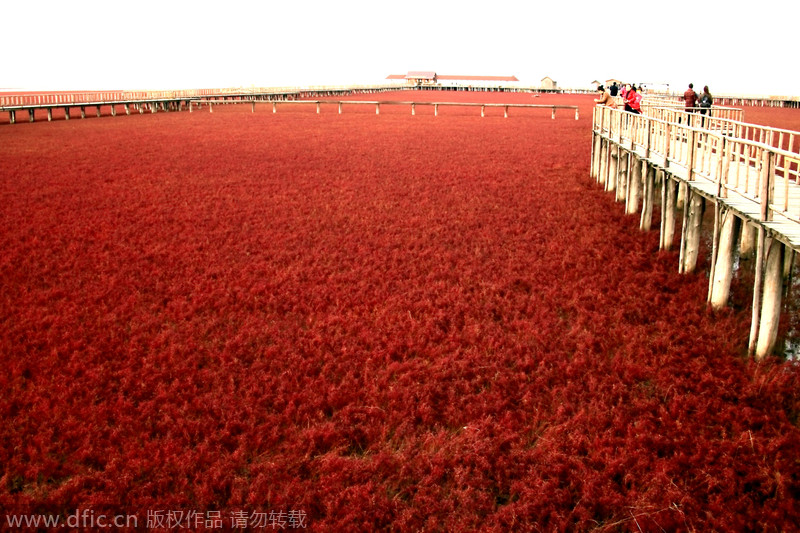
<point x="178" y="44"/>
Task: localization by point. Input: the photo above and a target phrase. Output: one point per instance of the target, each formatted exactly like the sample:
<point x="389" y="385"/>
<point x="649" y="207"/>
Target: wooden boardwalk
<point x="750" y="173"/>
<point x="759" y="181"/>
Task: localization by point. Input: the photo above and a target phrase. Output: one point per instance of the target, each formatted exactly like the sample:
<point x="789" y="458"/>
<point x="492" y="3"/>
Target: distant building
<point x="431" y="78"/>
<point x="549" y="83"/>
<point x="415" y="77"/>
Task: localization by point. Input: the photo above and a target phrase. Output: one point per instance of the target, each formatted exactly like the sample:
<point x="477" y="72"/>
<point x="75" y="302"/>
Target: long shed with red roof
<point x="431" y="77"/>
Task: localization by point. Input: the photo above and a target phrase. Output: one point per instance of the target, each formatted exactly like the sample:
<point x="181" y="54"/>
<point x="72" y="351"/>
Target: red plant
<point x="385" y="321"/>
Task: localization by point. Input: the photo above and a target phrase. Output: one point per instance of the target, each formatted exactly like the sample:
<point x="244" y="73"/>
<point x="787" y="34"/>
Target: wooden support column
<point x="113" y="110"/>
<point x="12" y="116"/>
<point x="505" y="112"/>
<point x="748" y="242"/>
<point x="690" y="232"/>
<point x="771" y="299"/>
<point x="377" y="109"/>
<point x="648" y="197"/>
<point x="759" y="276"/>
<point x="317" y="108"/>
<point x="668" y="206"/>
<point x="483" y="111"/>
<point x="553" y="114"/>
<point x="602" y="171"/>
<point x="30" y="115"/>
<point x="49" y="114"/>
<point x="623" y="165"/>
<point x="722" y="271"/>
<point x="613" y="166"/>
<point x="597" y="139"/>
<point x="634" y="186"/>
<point x="413" y="109"/>
<point x="275" y="107"/>
<point x="98" y="111"/>
<point x="435" y="110"/>
<point x="253" y="106"/>
<point x="128" y="108"/>
<point x="66" y="113"/>
<point x="680" y="200"/>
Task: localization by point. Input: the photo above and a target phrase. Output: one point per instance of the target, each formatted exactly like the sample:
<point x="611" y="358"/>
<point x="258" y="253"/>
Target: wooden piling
<point x="721" y="273"/>
<point x="690" y="232"/>
<point x="613" y="162"/>
<point x="623" y="158"/>
<point x="648" y="197"/>
<point x="668" y="196"/>
<point x="772" y="298"/>
<point x="759" y="277"/>
<point x="747" y="245"/>
<point x="634" y="186"/>
<point x="596" y="148"/>
<point x="602" y="171"/>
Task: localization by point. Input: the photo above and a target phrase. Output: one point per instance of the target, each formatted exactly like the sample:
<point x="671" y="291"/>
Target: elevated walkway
<point x="750" y="173"/>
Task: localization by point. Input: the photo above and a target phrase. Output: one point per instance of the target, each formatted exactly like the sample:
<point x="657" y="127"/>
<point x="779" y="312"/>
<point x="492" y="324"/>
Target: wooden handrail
<point x="734" y="164"/>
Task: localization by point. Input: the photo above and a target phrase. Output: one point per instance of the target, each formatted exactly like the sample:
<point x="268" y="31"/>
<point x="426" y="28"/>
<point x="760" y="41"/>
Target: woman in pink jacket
<point x="633" y="101"/>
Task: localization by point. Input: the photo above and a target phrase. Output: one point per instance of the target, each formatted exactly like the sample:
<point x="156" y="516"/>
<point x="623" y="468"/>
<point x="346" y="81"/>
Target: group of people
<point x="632" y="98"/>
<point x="692" y="100"/>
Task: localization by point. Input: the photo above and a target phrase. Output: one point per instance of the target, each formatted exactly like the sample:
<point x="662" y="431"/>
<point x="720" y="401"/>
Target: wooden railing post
<point x="767" y="178"/>
<point x="692" y="141"/>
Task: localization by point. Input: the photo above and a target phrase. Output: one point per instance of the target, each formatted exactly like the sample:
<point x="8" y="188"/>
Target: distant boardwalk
<point x="30" y="106"/>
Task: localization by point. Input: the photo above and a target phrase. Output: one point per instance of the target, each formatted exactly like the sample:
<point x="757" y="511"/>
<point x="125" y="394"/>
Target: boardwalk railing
<point x="747" y="180"/>
<point x="751" y="169"/>
<point x="680" y="114"/>
<point x="413" y="105"/>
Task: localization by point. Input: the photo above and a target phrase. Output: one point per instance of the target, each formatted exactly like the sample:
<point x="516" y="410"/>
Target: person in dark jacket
<point x="705" y="100"/>
<point x="690" y="98"/>
<point x="705" y="103"/>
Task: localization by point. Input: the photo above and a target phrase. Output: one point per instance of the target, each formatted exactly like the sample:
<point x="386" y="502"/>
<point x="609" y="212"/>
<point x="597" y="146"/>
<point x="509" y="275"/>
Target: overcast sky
<point x="175" y="44"/>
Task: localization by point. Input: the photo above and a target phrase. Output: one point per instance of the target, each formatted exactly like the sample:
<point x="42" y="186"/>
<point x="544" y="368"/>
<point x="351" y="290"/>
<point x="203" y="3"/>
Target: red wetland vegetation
<point x="388" y="322"/>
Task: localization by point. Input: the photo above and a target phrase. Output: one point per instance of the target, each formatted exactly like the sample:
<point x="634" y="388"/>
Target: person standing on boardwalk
<point x="633" y="101"/>
<point x="605" y="98"/>
<point x="705" y="101"/>
<point x="705" y="104"/>
<point x="624" y="95"/>
<point x="690" y="98"/>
